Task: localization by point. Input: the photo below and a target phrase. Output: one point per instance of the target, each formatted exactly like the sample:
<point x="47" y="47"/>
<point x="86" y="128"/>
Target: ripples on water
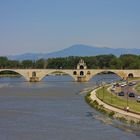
<point x="54" y="110"/>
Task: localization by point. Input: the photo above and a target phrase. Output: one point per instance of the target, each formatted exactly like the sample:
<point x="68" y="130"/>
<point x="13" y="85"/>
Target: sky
<point x="43" y="26"/>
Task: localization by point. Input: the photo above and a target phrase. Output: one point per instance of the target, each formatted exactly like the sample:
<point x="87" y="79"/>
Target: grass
<point x="137" y="88"/>
<point x="133" y="79"/>
<point x="116" y="101"/>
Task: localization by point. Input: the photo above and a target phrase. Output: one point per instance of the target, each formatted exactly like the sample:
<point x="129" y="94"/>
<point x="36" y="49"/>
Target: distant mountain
<point x="76" y="50"/>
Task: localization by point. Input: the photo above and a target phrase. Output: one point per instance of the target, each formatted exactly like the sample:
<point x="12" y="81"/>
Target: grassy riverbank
<point x="95" y="105"/>
<point x="112" y="114"/>
<point x="10" y="75"/>
<point x="133" y="79"/>
<point x="116" y="101"/>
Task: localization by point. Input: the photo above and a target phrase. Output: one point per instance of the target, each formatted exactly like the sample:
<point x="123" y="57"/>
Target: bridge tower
<point x="81" y="67"/>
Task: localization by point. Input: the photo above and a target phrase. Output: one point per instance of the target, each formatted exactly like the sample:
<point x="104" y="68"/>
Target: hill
<point x="76" y="50"/>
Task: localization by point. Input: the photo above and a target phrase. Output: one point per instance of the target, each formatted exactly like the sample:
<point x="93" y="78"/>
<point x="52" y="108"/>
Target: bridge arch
<point x="88" y="73"/>
<point x="81" y="67"/>
<point x="130" y="75"/>
<point x="75" y="73"/>
<point x="71" y="74"/>
<point x="17" y="72"/>
<point x="33" y="74"/>
<point x="81" y="73"/>
<point x="120" y="74"/>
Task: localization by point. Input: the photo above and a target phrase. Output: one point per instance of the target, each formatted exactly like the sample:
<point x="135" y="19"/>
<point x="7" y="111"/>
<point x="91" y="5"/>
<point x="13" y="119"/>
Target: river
<point x="54" y="109"/>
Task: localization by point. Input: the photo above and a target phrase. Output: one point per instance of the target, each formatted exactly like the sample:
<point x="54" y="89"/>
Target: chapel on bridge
<point x="81" y="65"/>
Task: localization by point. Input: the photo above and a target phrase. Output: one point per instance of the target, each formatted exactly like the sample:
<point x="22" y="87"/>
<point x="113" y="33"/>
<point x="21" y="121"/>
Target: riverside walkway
<point x="120" y="111"/>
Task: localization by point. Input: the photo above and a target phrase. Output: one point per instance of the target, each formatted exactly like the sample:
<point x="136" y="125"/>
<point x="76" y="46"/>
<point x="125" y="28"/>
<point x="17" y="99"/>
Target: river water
<point x="54" y="109"/>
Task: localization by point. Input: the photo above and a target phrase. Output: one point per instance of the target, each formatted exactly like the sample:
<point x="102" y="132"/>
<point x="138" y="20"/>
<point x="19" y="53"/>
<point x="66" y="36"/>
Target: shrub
<point x="132" y="121"/>
<point x="138" y="122"/>
<point x="88" y="94"/>
<point x="95" y="102"/>
<point x="111" y="114"/>
<point x="123" y="119"/>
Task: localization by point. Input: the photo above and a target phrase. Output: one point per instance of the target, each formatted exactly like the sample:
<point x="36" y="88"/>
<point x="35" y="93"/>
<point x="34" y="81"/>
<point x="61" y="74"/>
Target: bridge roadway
<point x="79" y="75"/>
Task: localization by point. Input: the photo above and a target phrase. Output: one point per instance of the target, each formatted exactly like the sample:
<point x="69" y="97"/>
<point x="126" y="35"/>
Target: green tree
<point x="103" y="61"/>
<point x="3" y="62"/>
<point x="26" y="64"/>
<point x="41" y="64"/>
<point x="130" y="61"/>
<point x="13" y="64"/>
<point x="115" y="63"/>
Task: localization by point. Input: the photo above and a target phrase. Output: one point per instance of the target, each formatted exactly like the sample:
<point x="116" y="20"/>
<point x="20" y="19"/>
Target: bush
<point x="95" y="102"/>
<point x="132" y="121"/>
<point x="123" y="119"/>
<point x="88" y="94"/>
<point x="88" y="99"/>
<point x="111" y="114"/>
<point x="138" y="122"/>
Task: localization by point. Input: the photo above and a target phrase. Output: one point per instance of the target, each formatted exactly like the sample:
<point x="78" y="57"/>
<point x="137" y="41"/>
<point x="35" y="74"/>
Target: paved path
<point x="94" y="97"/>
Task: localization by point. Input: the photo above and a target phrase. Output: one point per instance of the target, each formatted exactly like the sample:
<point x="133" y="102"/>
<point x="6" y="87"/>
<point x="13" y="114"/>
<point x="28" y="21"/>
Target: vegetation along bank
<point x="113" y="106"/>
<point x="93" y="62"/>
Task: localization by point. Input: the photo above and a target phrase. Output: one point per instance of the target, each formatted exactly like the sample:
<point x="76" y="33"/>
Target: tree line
<point x="126" y="61"/>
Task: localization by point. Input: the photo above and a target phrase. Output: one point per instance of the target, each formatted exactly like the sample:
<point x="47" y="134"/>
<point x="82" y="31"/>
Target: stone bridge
<point x="81" y="74"/>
